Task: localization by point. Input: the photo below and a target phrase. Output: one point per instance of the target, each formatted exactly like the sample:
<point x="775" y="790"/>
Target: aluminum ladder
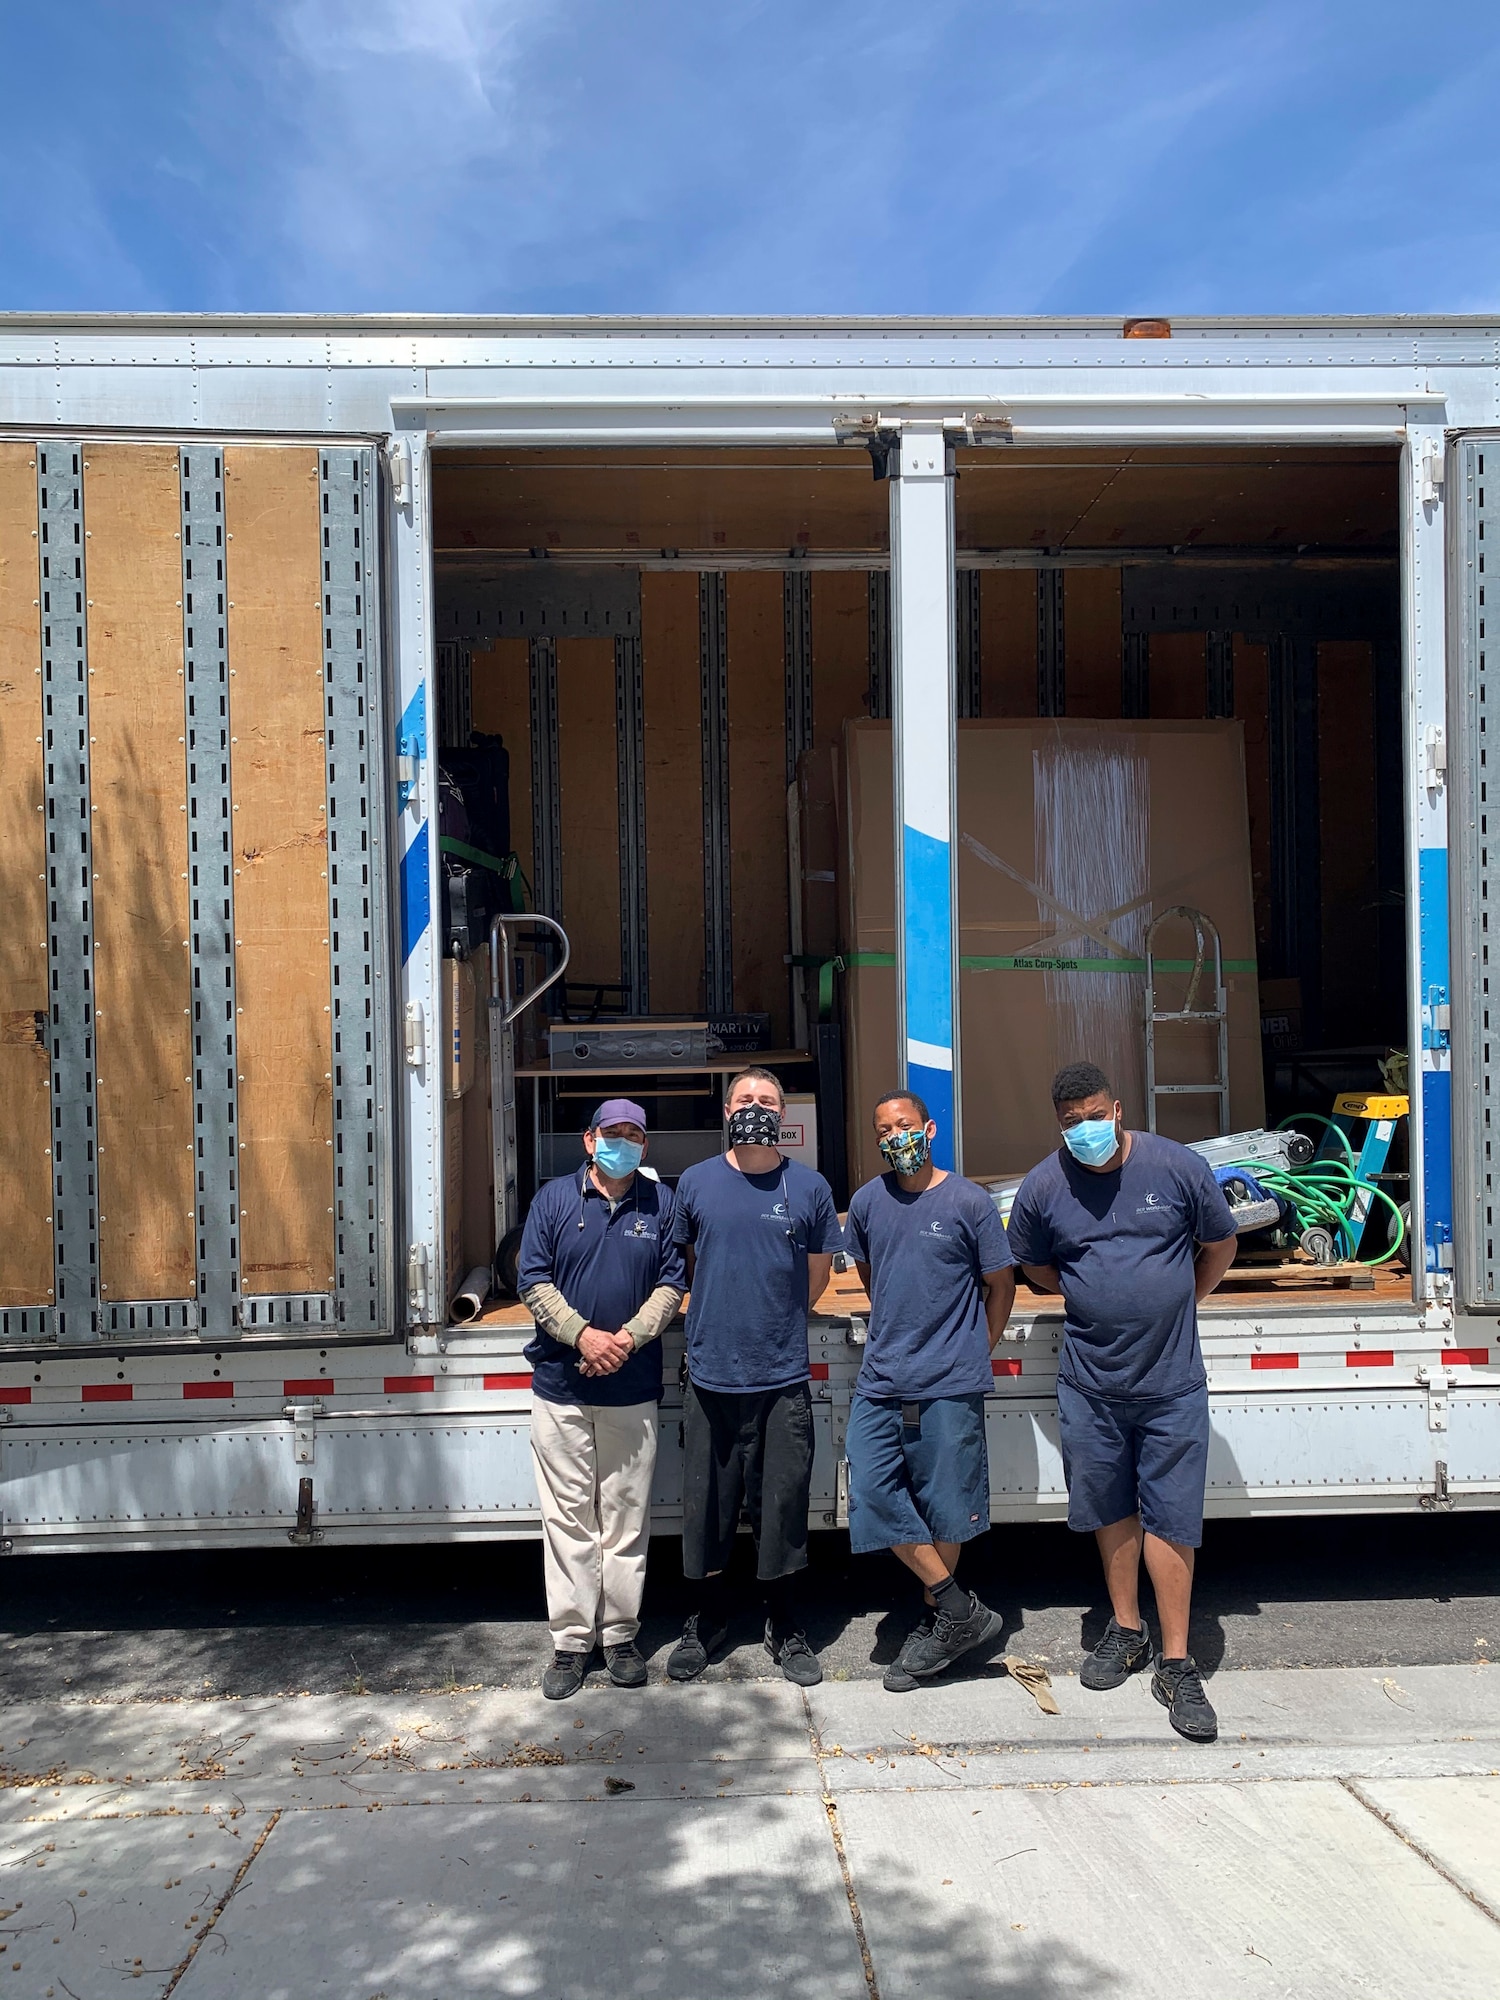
<point x="1189" y="1015"/>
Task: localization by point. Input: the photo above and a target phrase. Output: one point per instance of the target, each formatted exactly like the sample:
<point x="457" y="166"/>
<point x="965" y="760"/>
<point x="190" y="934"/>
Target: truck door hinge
<point x="398" y="458"/>
<point x="1437" y="1382"/>
<point x="409" y="751"/>
<point x="417" y="1266"/>
<point x="1434" y="472"/>
<point x="1437" y="1019"/>
<point x="1434" y="757"/>
<point x="304" y="1417"/>
<point x="415" y="1025"/>
<point x="302" y="1534"/>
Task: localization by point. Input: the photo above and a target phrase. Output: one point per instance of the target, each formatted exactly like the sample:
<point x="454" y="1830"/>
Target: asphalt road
<point x="1371" y="1591"/>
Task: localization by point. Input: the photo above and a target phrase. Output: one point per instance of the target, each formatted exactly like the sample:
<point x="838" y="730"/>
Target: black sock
<point x="951" y="1598"/>
<point x="784" y="1602"/>
<point x="709" y="1599"/>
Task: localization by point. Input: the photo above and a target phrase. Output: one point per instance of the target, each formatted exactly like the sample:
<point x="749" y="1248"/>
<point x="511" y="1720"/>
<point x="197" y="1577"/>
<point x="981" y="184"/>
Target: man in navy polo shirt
<point x="931" y="1252"/>
<point x="760" y="1231"/>
<point x="601" y="1276"/>
<point x="1133" y="1230"/>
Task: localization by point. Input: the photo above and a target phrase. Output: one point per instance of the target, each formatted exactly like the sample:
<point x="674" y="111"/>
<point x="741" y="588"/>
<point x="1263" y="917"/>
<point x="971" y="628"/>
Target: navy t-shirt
<point x="752" y="1233"/>
<point x="1123" y="1245"/>
<point x="607" y="1269"/>
<point x="927" y="1254"/>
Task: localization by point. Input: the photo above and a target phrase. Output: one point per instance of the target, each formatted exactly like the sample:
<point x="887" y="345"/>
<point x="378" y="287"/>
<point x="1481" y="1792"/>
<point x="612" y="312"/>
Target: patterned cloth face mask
<point x="905" y="1152"/>
<point x="754" y="1125"/>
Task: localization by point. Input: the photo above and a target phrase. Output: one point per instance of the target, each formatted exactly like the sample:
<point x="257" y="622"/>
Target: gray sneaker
<point x="626" y="1667"/>
<point x="566" y="1675"/>
<point x="929" y="1653"/>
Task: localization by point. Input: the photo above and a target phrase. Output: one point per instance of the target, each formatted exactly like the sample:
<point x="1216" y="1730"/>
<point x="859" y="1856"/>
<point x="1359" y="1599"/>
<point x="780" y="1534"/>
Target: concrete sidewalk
<point x="1343" y="1837"/>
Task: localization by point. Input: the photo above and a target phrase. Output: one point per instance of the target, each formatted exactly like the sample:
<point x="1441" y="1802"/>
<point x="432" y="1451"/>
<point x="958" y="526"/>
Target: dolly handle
<point x="501" y="993"/>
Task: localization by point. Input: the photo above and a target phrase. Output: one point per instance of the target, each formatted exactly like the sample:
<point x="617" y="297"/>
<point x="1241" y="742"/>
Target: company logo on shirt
<point x="934" y="1228"/>
<point x="1153" y="1205"/>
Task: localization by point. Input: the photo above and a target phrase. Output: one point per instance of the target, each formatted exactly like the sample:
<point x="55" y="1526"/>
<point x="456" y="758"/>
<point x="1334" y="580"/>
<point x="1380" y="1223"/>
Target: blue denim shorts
<point x="918" y="1472"/>
<point x="1147" y="1456"/>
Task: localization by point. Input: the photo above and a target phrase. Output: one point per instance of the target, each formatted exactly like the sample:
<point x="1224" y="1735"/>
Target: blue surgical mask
<point x="616" y="1158"/>
<point x="1093" y="1141"/>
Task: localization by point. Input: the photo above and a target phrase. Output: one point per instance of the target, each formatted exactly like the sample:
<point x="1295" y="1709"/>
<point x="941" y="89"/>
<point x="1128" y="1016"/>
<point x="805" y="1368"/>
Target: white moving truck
<point x="236" y="1192"/>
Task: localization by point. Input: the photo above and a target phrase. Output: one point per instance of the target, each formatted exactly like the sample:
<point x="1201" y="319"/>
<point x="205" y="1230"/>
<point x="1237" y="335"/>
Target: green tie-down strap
<point x="847" y="961"/>
<point x="506" y="866"/>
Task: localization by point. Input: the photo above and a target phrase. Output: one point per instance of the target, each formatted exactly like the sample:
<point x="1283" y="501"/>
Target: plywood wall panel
<point x="142" y="904"/>
<point x="757" y="796"/>
<point x="271" y="501"/>
<point x="25" y="1077"/>
<point x="589" y="784"/>
<point x="674" y="791"/>
<point x="1179" y="676"/>
<point x="1252" y="701"/>
<point x="1007" y="642"/>
<point x="1091" y="641"/>
<point x="1346" y="796"/>
<point x="501" y="692"/>
<point x="840" y="651"/>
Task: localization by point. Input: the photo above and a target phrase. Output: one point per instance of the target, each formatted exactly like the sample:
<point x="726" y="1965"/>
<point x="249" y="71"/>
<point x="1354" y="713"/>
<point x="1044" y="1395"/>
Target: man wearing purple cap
<point x="601" y="1277"/>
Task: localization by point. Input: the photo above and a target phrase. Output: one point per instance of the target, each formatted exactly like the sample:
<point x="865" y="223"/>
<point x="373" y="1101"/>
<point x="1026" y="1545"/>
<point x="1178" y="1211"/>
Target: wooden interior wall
<point x="1091" y="641"/>
<point x="1007" y="641"/>
<point x="500" y="683"/>
<point x="757" y="797"/>
<point x="1350" y="884"/>
<point x="840" y="651"/>
<point x="674" y="790"/>
<point x="1252" y="703"/>
<point x="25" y="1070"/>
<point x="1179" y="676"/>
<point x="589" y="787"/>
<point x="142" y="903"/>
<point x="271" y="509"/>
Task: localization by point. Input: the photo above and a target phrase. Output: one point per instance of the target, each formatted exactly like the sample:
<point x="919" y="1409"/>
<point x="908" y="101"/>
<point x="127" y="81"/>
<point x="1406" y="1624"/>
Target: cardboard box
<point x="799" y="1129"/>
<point x="1058" y="817"/>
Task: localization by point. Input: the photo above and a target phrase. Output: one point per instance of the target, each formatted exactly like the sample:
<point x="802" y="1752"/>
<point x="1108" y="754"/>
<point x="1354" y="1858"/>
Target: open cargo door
<point x="194" y="1009"/>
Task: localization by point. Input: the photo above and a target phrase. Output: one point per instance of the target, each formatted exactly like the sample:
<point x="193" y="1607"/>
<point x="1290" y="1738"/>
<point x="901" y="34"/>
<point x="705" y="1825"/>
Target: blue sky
<point x="939" y="156"/>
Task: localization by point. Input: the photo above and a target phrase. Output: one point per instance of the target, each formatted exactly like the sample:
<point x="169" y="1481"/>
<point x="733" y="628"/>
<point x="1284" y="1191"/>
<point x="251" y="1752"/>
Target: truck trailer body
<point x="228" y="552"/>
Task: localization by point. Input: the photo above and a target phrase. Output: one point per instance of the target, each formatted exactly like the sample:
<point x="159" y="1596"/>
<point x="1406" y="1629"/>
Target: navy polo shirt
<point x="606" y="1266"/>
<point x="751" y="1233"/>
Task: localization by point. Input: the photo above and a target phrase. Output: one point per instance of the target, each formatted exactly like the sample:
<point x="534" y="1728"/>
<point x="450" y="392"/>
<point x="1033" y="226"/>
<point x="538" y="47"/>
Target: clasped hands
<point x="603" y="1353"/>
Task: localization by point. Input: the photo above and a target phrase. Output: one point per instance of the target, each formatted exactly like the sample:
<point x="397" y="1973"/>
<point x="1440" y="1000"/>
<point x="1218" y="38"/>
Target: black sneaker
<point x="1116" y="1657"/>
<point x="1178" y="1686"/>
<point x="794" y="1656"/>
<point x="928" y="1653"/>
<point x="896" y="1679"/>
<point x="626" y="1667"/>
<point x="690" y="1655"/>
<point x="566" y="1675"/>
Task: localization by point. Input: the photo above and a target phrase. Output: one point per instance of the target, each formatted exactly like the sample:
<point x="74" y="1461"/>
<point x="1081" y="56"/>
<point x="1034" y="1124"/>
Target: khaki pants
<point x="593" y="1479"/>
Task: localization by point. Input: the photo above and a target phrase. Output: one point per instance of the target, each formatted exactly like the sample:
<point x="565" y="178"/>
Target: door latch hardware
<point x="1437" y="1382"/>
<point x="304" y="1418"/>
<point x="841" y="1495"/>
<point x="416" y="1281"/>
<point x="304" y="1534"/>
<point x="1439" y="1500"/>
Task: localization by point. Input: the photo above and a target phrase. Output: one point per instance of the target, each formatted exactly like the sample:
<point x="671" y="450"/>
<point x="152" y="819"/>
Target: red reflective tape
<point x="410" y="1385"/>
<point x="1476" y="1357"/>
<point x="308" y="1388"/>
<point x="1006" y="1366"/>
<point x="1273" y="1361"/>
<point x="206" y="1392"/>
<point x="507" y="1381"/>
<point x="1373" y="1359"/>
<point x="107" y="1392"/>
<point x="15" y="1395"/>
<point x="819" y="1371"/>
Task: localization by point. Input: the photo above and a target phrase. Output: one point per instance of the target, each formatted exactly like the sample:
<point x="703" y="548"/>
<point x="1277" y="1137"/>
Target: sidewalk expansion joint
<point x="836" y="1833"/>
<point x="222" y="1905"/>
<point x="1388" y="1821"/>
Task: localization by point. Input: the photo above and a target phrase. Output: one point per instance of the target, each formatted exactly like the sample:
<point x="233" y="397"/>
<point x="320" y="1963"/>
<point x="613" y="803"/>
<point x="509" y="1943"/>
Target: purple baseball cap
<point x="618" y="1111"/>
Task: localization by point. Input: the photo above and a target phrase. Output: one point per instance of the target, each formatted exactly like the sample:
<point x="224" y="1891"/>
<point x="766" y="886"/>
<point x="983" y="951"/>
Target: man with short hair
<point x="931" y="1252"/>
<point x="602" y="1277"/>
<point x="760" y="1232"/>
<point x="1133" y="1230"/>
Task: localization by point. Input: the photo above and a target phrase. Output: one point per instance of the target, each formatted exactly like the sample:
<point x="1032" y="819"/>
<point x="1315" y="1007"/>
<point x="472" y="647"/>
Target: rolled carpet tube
<point x="468" y="1301"/>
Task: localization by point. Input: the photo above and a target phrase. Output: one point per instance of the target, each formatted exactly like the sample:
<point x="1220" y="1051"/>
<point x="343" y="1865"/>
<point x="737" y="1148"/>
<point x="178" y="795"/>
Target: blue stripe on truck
<point x="416" y="893"/>
<point x="1436" y="1084"/>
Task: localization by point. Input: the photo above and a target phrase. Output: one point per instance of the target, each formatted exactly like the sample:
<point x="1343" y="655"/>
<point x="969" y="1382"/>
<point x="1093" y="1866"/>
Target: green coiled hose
<point x="1324" y="1192"/>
